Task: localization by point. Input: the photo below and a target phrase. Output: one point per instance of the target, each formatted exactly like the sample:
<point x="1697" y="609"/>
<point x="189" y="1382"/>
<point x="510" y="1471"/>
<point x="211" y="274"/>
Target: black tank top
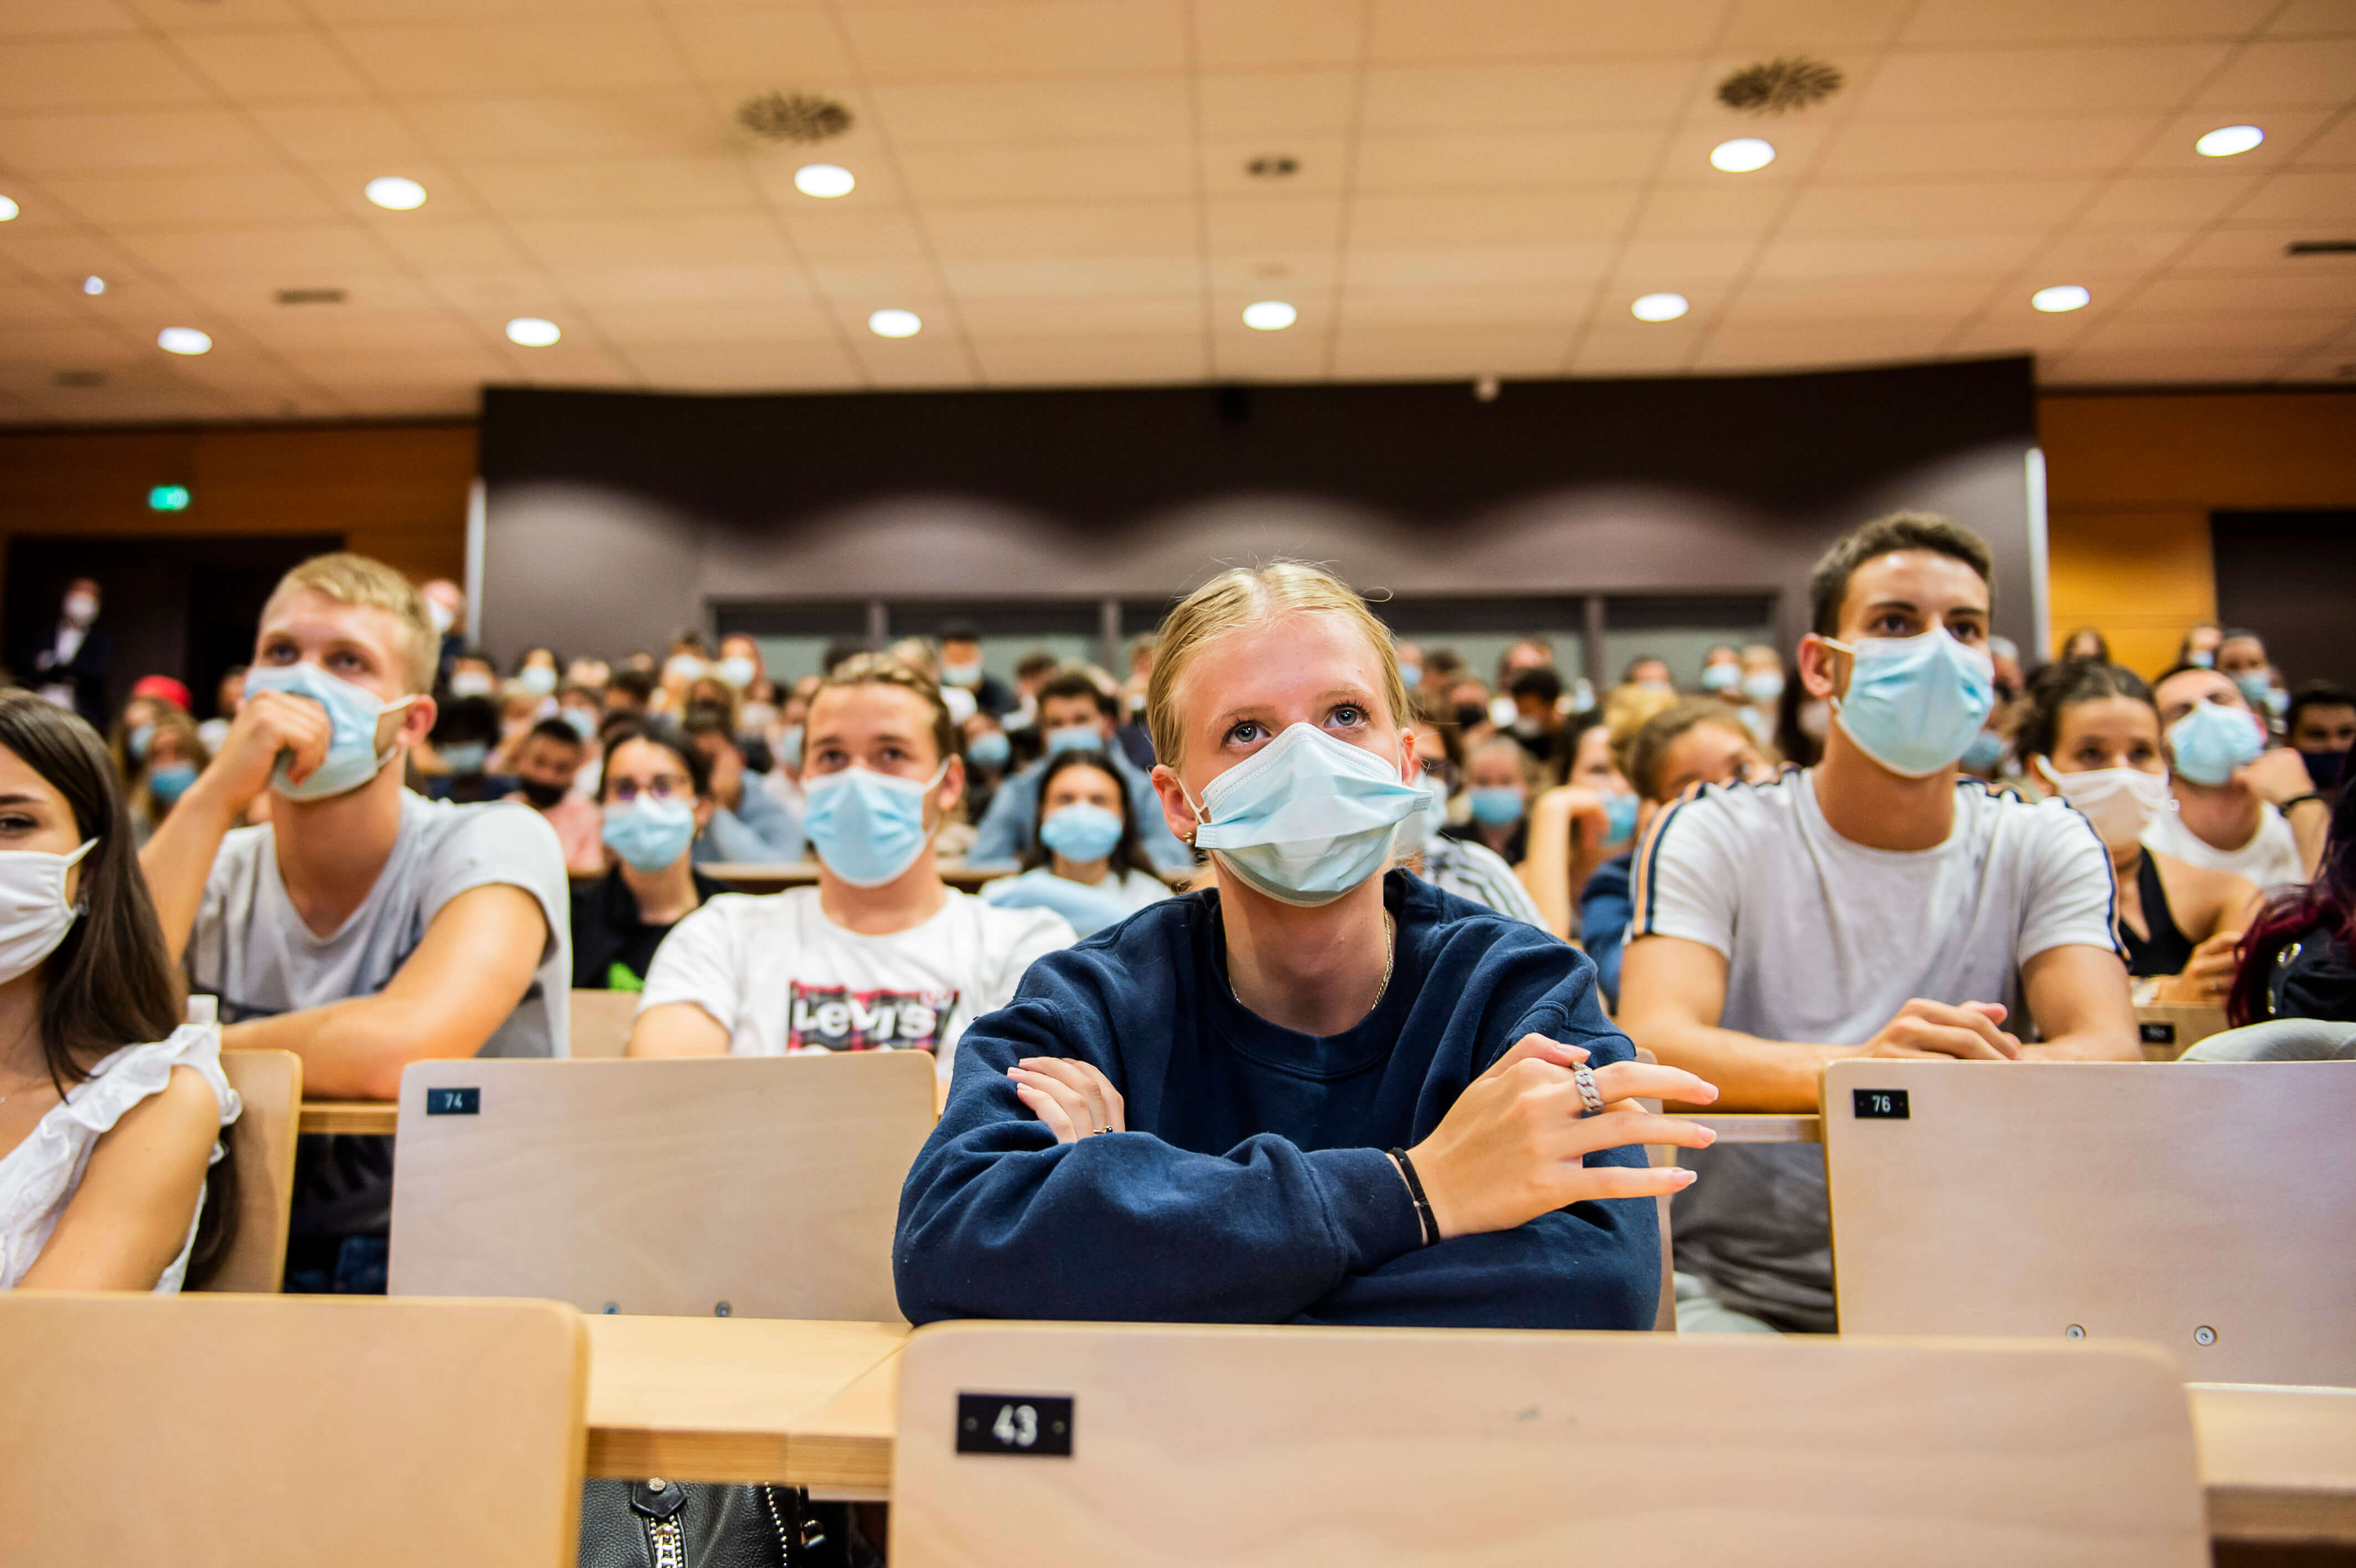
<point x="2166" y="951"/>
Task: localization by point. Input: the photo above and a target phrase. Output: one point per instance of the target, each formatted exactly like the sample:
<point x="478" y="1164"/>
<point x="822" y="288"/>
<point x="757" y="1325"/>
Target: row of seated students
<point x="1338" y="1064"/>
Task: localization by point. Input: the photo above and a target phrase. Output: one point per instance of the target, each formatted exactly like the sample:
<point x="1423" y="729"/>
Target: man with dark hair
<point x="1877" y="904"/>
<point x="749" y="826"/>
<point x="1074" y="712"/>
<point x="545" y="766"/>
<point x="71" y="661"/>
<point x="2322" y="726"/>
<point x="629" y="694"/>
<point x="960" y="644"/>
<point x="1537" y="692"/>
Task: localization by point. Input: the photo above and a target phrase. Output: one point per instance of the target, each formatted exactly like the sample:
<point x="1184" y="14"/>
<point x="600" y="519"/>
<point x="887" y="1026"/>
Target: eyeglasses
<point x="663" y="787"/>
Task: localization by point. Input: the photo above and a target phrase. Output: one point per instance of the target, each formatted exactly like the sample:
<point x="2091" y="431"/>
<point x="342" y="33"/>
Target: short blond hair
<point x="350" y="579"/>
<point x="883" y="670"/>
<point x="1248" y="596"/>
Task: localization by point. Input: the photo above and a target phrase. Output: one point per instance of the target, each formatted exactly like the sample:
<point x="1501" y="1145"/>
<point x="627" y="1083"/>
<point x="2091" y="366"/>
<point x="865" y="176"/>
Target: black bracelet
<point x="1424" y="1222"/>
<point x="2300" y="800"/>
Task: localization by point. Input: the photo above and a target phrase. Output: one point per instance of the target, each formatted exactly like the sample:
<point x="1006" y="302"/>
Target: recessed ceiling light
<point x="8" y="209"/>
<point x="1743" y="154"/>
<point x="1270" y="315"/>
<point x="93" y="284"/>
<point x="1660" y="307"/>
<point x="393" y="191"/>
<point x="532" y="332"/>
<point x="895" y="324"/>
<point x="2061" y="297"/>
<point x="183" y="340"/>
<point x="823" y="179"/>
<point x="2227" y="140"/>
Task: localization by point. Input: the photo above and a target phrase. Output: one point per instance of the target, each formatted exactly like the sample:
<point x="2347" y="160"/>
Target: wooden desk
<point x="377" y="1117"/>
<point x="811" y="1405"/>
<point x="1763" y="1126"/>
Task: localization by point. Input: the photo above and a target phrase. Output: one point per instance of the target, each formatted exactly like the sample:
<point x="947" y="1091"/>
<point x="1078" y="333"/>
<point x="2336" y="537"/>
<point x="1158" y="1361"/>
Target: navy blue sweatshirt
<point x="1252" y="1186"/>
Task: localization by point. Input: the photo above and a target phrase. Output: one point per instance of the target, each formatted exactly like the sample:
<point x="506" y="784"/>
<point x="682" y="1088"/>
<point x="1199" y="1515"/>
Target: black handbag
<point x="671" y="1524"/>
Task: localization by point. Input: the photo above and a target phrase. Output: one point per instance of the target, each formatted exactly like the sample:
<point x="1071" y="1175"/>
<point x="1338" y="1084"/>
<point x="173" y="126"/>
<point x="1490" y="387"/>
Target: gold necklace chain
<point x="1390" y="956"/>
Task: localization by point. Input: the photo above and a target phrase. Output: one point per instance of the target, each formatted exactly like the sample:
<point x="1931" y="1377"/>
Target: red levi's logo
<point x="835" y="1018"/>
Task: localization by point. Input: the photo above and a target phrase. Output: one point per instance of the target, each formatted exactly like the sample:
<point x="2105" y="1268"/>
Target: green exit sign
<point x="168" y="498"/>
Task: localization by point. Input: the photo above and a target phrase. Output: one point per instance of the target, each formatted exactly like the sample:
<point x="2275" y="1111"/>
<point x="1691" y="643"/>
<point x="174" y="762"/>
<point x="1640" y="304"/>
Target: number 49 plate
<point x="1024" y="1424"/>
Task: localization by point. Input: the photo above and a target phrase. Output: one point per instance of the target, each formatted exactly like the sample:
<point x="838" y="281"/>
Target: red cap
<point x="164" y="688"/>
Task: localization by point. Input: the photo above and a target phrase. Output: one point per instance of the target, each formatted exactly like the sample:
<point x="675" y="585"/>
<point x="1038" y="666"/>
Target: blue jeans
<point x="337" y="1265"/>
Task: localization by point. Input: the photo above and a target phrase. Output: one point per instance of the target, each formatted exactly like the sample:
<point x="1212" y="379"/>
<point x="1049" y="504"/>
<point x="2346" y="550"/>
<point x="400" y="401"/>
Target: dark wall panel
<point x="2292" y="576"/>
<point x="634" y="514"/>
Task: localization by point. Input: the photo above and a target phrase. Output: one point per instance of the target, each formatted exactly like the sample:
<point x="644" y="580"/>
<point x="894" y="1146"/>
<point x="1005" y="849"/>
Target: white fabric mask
<point x="34" y="915"/>
<point x="2120" y="802"/>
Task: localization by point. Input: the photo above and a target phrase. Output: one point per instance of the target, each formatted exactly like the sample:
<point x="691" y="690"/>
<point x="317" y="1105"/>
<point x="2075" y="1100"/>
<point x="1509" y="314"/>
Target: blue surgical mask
<point x="170" y="781"/>
<point x="961" y="673"/>
<point x="1721" y="677"/>
<point x="789" y="745"/>
<point x="2204" y="659"/>
<point x="1411" y="674"/>
<point x="737" y="671"/>
<point x="1498" y="806"/>
<point x="991" y="749"/>
<point x="1080" y="831"/>
<point x="583" y="721"/>
<point x="1074" y="738"/>
<point x="2210" y="742"/>
<point x="2255" y="685"/>
<point x="465" y="758"/>
<point x="136" y="743"/>
<point x="1983" y="753"/>
<point x="1762" y="686"/>
<point x="1914" y="703"/>
<point x="868" y="827"/>
<point x="1306" y="818"/>
<point x="649" y="833"/>
<point x="538" y="680"/>
<point x="1619" y="816"/>
<point x="352" y="713"/>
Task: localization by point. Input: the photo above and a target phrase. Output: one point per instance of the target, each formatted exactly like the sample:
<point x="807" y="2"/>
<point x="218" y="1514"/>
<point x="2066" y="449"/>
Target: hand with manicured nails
<point x="1510" y="1148"/>
<point x="1073" y="1098"/>
<point x="269" y="724"/>
<point x="1925" y="1029"/>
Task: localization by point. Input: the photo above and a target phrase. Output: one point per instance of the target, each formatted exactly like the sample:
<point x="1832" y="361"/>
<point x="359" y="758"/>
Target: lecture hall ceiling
<point x="1061" y="193"/>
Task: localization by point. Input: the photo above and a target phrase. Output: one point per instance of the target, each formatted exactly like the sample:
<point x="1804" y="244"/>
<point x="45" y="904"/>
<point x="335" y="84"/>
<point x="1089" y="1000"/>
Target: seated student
<point x="2085" y="646"/>
<point x="1698" y="741"/>
<point x="1721" y="672"/>
<point x="1087" y="866"/>
<point x="1335" y="1095"/>
<point x="1759" y="693"/>
<point x="654" y="797"/>
<point x="1579" y="826"/>
<point x="881" y="955"/>
<point x="1072" y="715"/>
<point x="961" y="667"/>
<point x="631" y="693"/>
<point x="1497" y="800"/>
<point x="1873" y="905"/>
<point x="172" y="758"/>
<point x="749" y="826"/>
<point x="111" y="1110"/>
<point x="547" y="762"/>
<point x="1539" y="723"/>
<point x="464" y="733"/>
<point x="226" y="697"/>
<point x="2239" y="806"/>
<point x="471" y="674"/>
<point x="2242" y="658"/>
<point x="1464" y="867"/>
<point x="2092" y="734"/>
<point x="2199" y="648"/>
<point x="363" y="927"/>
<point x="2321" y="727"/>
<point x="2299" y="960"/>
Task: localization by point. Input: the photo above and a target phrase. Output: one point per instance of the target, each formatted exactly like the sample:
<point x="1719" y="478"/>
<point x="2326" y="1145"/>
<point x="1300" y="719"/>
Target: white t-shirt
<point x="39" y="1177"/>
<point x="2270" y="858"/>
<point x="783" y="977"/>
<point x="1825" y="941"/>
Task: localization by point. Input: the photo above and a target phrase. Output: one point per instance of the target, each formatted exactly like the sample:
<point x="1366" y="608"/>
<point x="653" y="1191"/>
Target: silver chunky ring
<point x="1591" y="1098"/>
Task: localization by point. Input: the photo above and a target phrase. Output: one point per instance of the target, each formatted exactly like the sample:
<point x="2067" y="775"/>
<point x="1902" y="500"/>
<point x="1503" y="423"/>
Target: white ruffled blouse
<point x="39" y="1176"/>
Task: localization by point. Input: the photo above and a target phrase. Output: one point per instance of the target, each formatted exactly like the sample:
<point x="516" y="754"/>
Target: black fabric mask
<point x="542" y="795"/>
<point x="1469" y="714"/>
<point x="2324" y="767"/>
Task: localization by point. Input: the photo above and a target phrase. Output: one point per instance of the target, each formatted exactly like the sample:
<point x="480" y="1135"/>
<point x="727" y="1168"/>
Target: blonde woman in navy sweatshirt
<point x="1316" y="1091"/>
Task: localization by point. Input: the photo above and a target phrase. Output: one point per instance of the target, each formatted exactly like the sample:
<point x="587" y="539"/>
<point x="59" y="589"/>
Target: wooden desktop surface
<point x="811" y="1405"/>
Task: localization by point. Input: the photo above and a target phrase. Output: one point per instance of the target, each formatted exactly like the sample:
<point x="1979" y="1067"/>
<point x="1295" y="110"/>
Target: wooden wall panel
<point x="2131" y="480"/>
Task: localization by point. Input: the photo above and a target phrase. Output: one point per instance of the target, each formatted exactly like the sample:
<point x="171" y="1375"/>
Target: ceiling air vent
<point x="2320" y="248"/>
<point x="1780" y="86"/>
<point x="793" y="117"/>
<point x="80" y="378"/>
<point x="1275" y="167"/>
<point x="312" y="296"/>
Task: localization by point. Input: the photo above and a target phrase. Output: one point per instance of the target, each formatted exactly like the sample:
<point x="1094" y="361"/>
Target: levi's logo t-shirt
<point x="837" y="1018"/>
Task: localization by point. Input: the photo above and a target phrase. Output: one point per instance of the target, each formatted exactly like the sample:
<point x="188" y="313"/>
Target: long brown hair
<point x="112" y="982"/>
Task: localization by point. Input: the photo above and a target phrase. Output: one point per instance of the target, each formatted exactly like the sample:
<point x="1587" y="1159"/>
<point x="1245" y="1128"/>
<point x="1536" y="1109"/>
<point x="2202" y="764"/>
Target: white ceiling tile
<point x="1455" y="99"/>
<point x="280" y="66"/>
<point x="182" y="19"/>
<point x="2100" y="367"/>
<point x="611" y="125"/>
<point x="1107" y="229"/>
<point x="1272" y="228"/>
<point x="1635" y="349"/>
<point x="1320" y="164"/>
<point x="1927" y="300"/>
<point x="608" y="187"/>
<point x="1782" y="27"/>
<point x="757" y="366"/>
<point x="1851" y="256"/>
<point x="687" y="241"/>
<point x="1056" y="278"/>
<point x="2182" y="200"/>
<point x="301" y="331"/>
<point x="2017" y="205"/>
<point x="94" y="73"/>
<point x="935" y="359"/>
<point x="2137" y="330"/>
<point x="2089" y="21"/>
<point x="836" y="233"/>
<point x="1111" y="358"/>
<point x="1543" y="312"/>
<point x="784" y="48"/>
<point x="1276" y="104"/>
<point x="2334" y="148"/>
<point x="2230" y="293"/>
<point x="2318" y="17"/>
<point x="963" y="114"/>
<point x="2298" y="196"/>
<point x="771" y="170"/>
<point x="1397" y="222"/>
<point x="2334" y="362"/>
<point x="46" y="18"/>
<point x="1049" y="172"/>
<point x="337" y="132"/>
<point x="1421" y="30"/>
<point x="2260" y="250"/>
<point x="1246" y="33"/>
<point x="439" y="244"/>
<point x="2318" y="71"/>
<point x="1503" y="159"/>
<point x="227" y="196"/>
<point x="1934" y="84"/>
<point x="2114" y="252"/>
<point x="1950" y="147"/>
<point x="1732" y="210"/>
<point x="1498" y="266"/>
<point x="27" y="305"/>
<point x="658" y="323"/>
<point x="1377" y="354"/>
<point x="1650" y="265"/>
<point x="1296" y="355"/>
<point x="354" y="12"/>
<point x="181" y="138"/>
<point x="1256" y="275"/>
<point x="867" y="283"/>
<point x="269" y="259"/>
<point x="572" y="54"/>
<point x="1011" y="316"/>
<point x="595" y="290"/>
<point x="2174" y="149"/>
<point x="1772" y="345"/>
<point x="937" y="43"/>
